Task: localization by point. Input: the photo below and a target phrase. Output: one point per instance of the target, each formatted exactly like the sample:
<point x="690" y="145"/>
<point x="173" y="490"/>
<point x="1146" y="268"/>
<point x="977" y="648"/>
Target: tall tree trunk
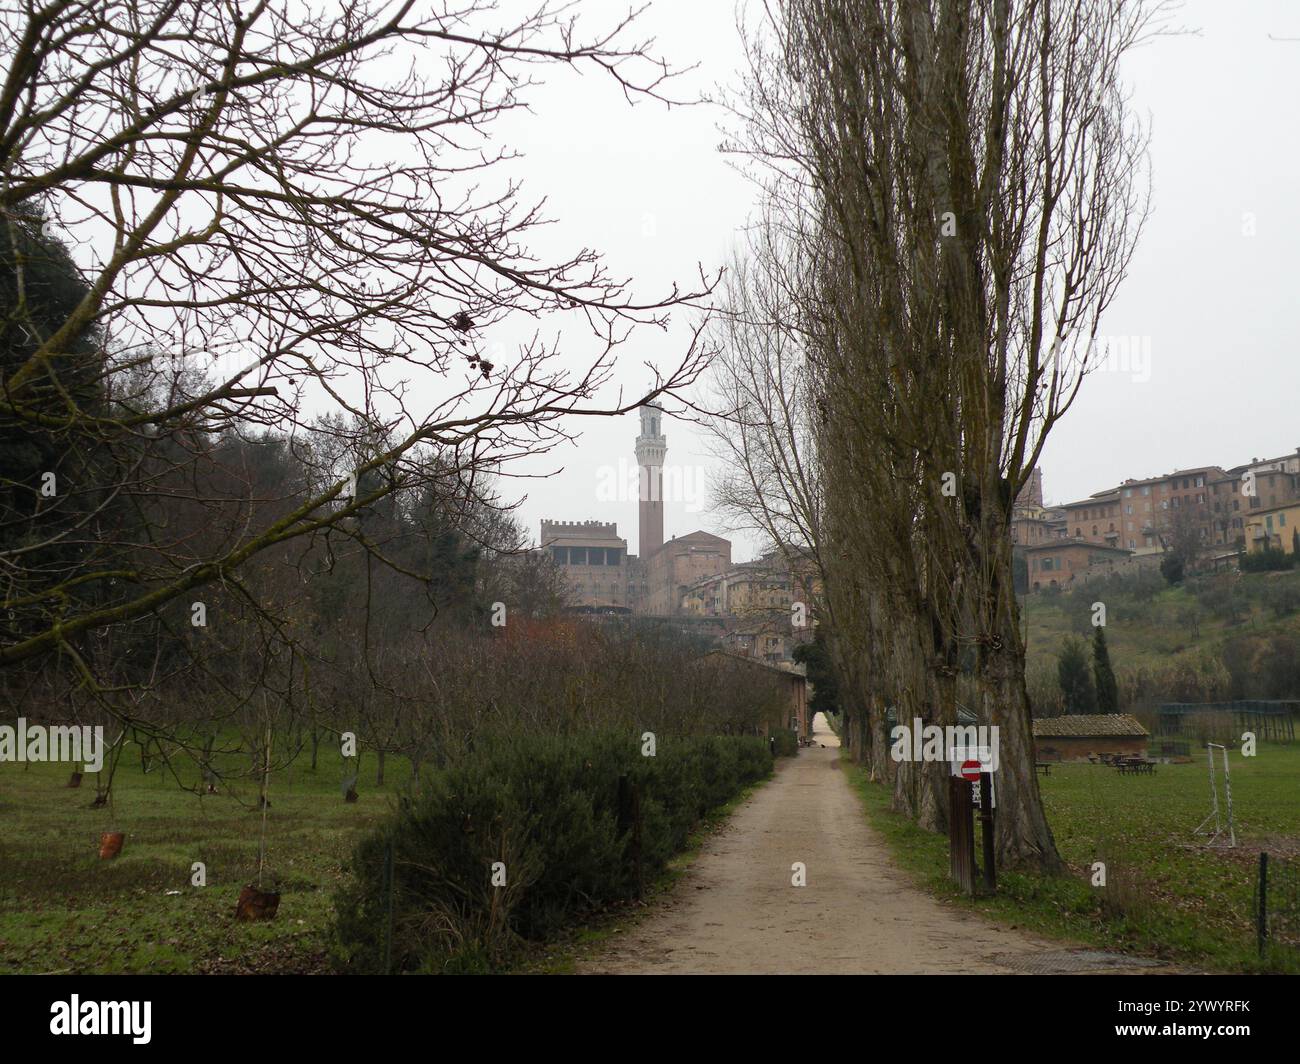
<point x="1022" y="834"/>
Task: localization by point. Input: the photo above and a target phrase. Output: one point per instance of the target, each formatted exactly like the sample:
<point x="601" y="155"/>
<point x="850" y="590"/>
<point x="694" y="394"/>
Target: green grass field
<point x="64" y="910"/>
<point x="1166" y="894"/>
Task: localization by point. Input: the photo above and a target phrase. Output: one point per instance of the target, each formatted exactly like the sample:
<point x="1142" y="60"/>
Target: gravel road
<point x="736" y="910"/>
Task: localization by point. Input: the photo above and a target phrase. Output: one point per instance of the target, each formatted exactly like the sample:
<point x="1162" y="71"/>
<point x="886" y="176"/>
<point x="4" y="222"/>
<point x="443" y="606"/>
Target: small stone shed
<point x="1074" y="736"/>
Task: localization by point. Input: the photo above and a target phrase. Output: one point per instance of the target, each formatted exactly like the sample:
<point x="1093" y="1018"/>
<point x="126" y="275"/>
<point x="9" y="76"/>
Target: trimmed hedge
<point x="553" y="812"/>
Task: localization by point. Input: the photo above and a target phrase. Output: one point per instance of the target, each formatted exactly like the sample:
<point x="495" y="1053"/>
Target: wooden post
<point x="636" y="839"/>
<point x="388" y="908"/>
<point x="986" y="831"/>
<point x="961" y="833"/>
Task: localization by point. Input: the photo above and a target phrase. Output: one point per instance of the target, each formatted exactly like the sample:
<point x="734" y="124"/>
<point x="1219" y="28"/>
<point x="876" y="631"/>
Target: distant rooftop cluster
<point x="1249" y="507"/>
<point x="750" y="606"/>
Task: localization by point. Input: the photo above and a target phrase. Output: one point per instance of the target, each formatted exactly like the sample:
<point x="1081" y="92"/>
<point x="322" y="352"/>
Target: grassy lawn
<point x="1166" y="895"/>
<point x="64" y="910"/>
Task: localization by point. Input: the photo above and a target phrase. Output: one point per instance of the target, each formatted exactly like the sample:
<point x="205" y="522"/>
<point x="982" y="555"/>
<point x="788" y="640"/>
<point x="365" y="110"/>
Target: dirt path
<point x="736" y="910"/>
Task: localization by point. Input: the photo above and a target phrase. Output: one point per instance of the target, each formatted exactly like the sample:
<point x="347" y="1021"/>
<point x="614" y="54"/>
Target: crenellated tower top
<point x="651" y="445"/>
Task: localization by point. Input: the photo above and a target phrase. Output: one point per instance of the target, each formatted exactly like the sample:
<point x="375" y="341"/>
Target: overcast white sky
<point x="1215" y="305"/>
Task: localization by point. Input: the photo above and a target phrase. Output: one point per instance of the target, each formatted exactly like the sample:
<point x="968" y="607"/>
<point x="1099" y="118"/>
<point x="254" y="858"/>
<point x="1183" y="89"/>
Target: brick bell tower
<point x="650" y="450"/>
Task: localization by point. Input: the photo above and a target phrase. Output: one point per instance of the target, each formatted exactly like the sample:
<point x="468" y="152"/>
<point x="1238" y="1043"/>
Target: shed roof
<point x="1088" y="726"/>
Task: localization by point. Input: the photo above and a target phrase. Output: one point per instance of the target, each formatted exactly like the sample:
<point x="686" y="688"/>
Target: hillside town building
<point x="750" y="605"/>
<point x="1245" y="507"/>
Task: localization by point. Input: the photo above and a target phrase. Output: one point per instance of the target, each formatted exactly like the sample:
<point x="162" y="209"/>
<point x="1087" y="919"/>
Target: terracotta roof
<point x="1190" y="471"/>
<point x="1088" y="726"/>
<point x="789" y="668"/>
<point x="1061" y="542"/>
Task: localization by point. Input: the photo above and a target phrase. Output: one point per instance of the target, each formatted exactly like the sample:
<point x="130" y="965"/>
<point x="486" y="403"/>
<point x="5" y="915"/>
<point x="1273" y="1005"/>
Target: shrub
<point x="1223" y="597"/>
<point x="1268" y="560"/>
<point x="1172" y="567"/>
<point x="1140" y="585"/>
<point x="553" y="811"/>
<point x="1045" y="699"/>
<point x="1282" y="596"/>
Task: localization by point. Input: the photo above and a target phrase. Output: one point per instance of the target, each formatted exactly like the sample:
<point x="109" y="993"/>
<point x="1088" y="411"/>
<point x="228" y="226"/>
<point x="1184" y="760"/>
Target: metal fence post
<point x="1261" y="919"/>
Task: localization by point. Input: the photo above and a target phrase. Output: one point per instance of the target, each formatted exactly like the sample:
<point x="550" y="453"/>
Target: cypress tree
<point x="1103" y="674"/>
<point x="1075" y="678"/>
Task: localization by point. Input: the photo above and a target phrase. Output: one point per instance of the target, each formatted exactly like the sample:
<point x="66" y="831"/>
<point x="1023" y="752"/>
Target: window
<point x="1200" y="482"/>
<point x="560" y="555"/>
<point x="1281" y="520"/>
<point x="1128" y="493"/>
<point x="577" y="555"/>
<point x="1132" y="545"/>
<point x="595" y="555"/>
<point x="1146" y="490"/>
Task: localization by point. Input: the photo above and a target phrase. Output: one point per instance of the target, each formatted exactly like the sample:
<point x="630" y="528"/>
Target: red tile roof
<point x="1088" y="726"/>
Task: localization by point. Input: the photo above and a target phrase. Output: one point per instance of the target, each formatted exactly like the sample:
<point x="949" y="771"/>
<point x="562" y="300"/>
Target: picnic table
<point x="1134" y="764"/>
<point x="1046" y="766"/>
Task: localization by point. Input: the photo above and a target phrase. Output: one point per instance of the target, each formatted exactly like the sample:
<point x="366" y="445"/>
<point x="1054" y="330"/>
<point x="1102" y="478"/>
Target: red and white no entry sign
<point x="970" y="770"/>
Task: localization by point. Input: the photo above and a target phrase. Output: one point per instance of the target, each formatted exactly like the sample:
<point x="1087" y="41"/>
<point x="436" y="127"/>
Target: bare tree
<point x="972" y="178"/>
<point x="1183" y="535"/>
<point x="283" y="217"/>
